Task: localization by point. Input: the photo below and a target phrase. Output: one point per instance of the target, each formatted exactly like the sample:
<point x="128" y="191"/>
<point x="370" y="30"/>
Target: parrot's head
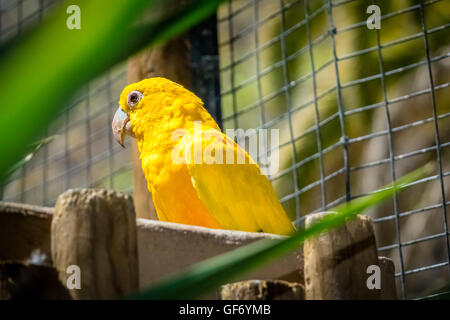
<point x="152" y="104"/>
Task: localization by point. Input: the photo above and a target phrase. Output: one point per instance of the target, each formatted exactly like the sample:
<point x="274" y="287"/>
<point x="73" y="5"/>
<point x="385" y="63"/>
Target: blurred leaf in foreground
<point x="43" y="69"/>
<point x="209" y="274"/>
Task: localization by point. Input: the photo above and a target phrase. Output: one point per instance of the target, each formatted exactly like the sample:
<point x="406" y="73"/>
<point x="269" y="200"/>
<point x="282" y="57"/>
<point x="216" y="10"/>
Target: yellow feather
<point x="227" y="196"/>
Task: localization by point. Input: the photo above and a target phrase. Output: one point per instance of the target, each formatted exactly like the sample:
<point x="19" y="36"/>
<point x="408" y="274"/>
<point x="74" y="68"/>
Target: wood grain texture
<point x="168" y="248"/>
<point x="336" y="262"/>
<point x="96" y="230"/>
<point x="262" y="290"/>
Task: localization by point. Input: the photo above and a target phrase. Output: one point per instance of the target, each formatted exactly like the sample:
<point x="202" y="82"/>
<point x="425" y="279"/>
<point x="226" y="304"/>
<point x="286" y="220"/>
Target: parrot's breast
<point x="176" y="200"/>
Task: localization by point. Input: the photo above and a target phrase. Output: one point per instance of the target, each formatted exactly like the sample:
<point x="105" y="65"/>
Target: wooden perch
<point x="168" y="248"/>
<point x="262" y="290"/>
<point x="388" y="288"/>
<point x="96" y="231"/>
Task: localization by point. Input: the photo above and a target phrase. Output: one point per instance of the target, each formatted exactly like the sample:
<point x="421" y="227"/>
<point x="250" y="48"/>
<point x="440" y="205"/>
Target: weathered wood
<point x="388" y="288"/>
<point x="262" y="290"/>
<point x="19" y="281"/>
<point x="96" y="231"/>
<point x="23" y="229"/>
<point x="336" y="262"/>
<point x="171" y="61"/>
<point x="167" y="248"/>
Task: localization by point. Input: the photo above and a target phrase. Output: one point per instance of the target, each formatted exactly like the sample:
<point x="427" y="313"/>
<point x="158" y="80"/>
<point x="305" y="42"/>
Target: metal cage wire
<point x="82" y="152"/>
<point x="275" y="74"/>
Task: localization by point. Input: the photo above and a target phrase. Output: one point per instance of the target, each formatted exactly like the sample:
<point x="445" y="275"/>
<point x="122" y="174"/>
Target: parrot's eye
<point x="133" y="98"/>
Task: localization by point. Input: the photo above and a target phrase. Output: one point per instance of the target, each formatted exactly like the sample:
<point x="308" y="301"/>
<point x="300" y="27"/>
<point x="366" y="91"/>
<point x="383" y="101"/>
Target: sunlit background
<point x="355" y="109"/>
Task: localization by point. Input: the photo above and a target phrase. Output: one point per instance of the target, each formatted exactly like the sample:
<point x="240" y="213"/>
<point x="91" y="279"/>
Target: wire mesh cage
<point x="81" y="152"/>
<point x="355" y="109"/>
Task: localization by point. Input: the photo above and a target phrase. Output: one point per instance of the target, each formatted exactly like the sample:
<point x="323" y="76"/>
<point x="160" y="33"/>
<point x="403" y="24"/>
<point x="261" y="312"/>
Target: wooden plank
<point x="167" y="248"/>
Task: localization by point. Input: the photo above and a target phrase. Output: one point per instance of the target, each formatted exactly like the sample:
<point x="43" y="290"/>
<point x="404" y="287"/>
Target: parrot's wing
<point x="237" y="195"/>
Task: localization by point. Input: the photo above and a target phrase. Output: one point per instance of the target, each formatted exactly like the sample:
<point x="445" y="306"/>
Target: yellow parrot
<point x="187" y="164"/>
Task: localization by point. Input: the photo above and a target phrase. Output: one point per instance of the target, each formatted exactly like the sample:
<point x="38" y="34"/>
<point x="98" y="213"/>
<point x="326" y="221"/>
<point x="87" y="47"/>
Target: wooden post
<point x="95" y="230"/>
<point x="388" y="288"/>
<point x="171" y="61"/>
<point x="262" y="290"/>
<point x="336" y="262"/>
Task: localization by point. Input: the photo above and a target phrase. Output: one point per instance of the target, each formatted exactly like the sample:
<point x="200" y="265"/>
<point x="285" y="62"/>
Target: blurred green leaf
<point x="209" y="274"/>
<point x="43" y="69"/>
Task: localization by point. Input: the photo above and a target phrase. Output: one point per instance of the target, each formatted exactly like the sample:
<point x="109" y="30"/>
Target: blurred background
<point x="356" y="108"/>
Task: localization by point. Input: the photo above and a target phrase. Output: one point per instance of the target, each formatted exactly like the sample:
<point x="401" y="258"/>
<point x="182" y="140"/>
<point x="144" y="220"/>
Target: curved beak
<point x="121" y="126"/>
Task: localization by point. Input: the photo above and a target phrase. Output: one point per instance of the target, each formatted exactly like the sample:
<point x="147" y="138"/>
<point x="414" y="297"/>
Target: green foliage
<point x="42" y="69"/>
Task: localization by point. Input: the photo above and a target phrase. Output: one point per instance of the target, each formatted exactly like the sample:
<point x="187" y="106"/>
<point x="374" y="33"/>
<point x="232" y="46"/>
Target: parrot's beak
<point x="121" y="126"/>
